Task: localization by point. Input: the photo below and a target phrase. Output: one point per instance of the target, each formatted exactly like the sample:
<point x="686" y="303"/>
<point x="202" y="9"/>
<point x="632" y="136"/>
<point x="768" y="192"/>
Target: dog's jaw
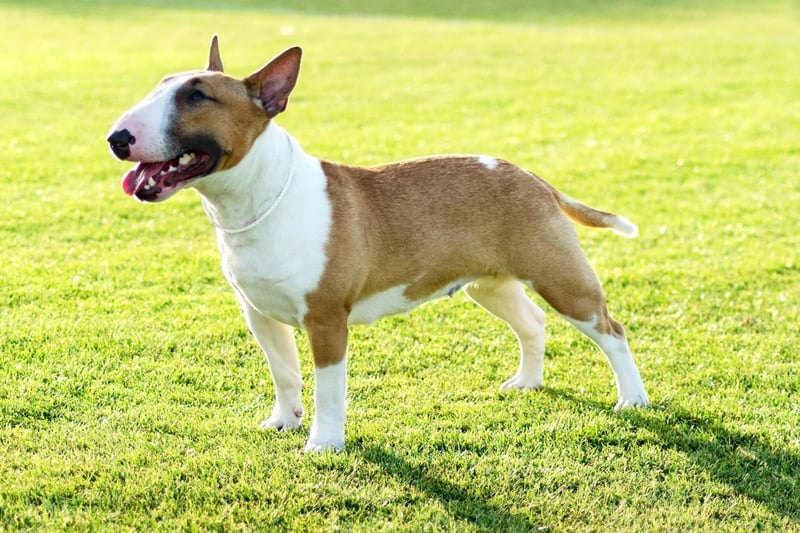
<point x="155" y="182"/>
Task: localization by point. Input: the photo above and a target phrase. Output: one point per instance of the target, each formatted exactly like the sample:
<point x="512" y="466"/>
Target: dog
<point x="308" y="243"/>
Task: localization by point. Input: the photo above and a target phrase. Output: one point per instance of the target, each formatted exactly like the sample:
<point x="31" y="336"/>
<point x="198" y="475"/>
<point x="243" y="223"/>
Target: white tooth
<point x="147" y="187"/>
<point x="151" y="182"/>
<point x="185" y="158"/>
<point x="172" y="169"/>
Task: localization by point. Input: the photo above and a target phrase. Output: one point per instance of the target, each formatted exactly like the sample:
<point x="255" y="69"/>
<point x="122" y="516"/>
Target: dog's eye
<point x="197" y="96"/>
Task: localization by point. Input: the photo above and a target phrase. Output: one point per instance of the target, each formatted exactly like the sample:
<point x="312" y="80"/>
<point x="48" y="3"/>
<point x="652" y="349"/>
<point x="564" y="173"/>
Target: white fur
<point x="390" y="301"/>
<point x="393" y="301"/>
<point x="630" y="389"/>
<point x="273" y="266"/>
<point x="488" y="162"/>
<point x="149" y="120"/>
<point x="278" y="344"/>
<point x="625" y="227"/>
<point x="330" y="392"/>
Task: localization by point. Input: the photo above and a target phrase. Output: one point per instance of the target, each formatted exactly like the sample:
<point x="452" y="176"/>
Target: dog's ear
<point x="273" y="82"/>
<point x="214" y="59"/>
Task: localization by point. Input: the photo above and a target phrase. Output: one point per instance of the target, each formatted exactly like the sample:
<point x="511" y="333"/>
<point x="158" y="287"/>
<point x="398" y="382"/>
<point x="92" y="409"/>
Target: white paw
<point x="283" y="419"/>
<point x="632" y="400"/>
<point x="522" y="382"/>
<point x="325" y="440"/>
<point x="320" y="447"/>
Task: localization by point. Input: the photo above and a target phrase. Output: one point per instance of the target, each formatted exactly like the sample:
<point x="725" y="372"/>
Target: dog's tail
<point x="589" y="216"/>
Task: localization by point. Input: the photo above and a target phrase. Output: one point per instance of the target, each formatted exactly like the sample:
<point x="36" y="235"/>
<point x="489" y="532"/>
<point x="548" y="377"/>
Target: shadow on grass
<point x="460" y="503"/>
<point x="748" y="463"/>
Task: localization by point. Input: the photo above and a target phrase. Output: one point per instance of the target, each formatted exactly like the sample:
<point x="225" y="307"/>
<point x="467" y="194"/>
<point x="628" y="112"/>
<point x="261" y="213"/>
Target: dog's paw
<point x="634" y="400"/>
<point x="325" y="440"/>
<point x="321" y="447"/>
<point x="284" y="419"/>
<point x="522" y="382"/>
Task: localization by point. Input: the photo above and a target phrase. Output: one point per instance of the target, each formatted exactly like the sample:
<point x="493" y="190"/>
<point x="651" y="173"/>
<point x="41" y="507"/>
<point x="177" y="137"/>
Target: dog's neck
<point x="241" y="197"/>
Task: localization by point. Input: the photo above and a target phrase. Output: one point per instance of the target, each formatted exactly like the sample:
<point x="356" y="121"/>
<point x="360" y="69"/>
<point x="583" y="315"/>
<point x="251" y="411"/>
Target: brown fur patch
<point x="237" y="119"/>
<point x="327" y="334"/>
<point x="428" y="222"/>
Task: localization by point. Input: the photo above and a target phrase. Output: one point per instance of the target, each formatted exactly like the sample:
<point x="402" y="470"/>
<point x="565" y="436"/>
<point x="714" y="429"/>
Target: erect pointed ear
<point x="272" y="83"/>
<point x="214" y="60"/>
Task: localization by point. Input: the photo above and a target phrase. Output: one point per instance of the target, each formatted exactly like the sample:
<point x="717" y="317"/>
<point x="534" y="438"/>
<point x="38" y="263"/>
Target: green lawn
<point x="131" y="391"/>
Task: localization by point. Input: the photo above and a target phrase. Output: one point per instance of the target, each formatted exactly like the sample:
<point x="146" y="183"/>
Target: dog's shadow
<point x="748" y="463"/>
<point x="461" y="503"/>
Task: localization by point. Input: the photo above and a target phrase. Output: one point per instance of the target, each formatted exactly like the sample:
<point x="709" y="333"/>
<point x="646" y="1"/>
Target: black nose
<point x="120" y="142"/>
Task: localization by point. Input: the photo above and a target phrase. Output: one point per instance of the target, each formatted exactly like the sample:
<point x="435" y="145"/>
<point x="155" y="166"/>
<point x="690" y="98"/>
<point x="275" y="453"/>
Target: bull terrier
<point x="308" y="243"/>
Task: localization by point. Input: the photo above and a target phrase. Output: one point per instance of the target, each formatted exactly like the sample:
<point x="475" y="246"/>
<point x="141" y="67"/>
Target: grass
<point x="131" y="392"/>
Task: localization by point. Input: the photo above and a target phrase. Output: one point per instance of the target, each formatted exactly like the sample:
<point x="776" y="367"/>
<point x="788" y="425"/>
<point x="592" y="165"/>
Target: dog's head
<point x="197" y="123"/>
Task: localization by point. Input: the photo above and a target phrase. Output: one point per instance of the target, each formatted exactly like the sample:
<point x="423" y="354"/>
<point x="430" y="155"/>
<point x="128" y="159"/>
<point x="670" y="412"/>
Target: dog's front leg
<point x="277" y="341"/>
<point x="328" y="338"/>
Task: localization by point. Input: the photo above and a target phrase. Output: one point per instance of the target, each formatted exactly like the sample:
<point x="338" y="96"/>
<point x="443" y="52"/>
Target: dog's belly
<point x="394" y="301"/>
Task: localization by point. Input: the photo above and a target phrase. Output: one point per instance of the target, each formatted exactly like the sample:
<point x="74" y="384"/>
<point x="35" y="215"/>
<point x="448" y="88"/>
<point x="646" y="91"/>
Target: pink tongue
<point x="138" y="176"/>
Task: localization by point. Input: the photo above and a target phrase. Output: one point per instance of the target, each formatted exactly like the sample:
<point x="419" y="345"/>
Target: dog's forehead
<point x="170" y="83"/>
<point x="167" y="86"/>
<point x="180" y="77"/>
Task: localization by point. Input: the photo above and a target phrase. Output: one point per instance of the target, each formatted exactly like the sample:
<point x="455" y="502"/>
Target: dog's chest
<point x="266" y="284"/>
<point x="273" y="270"/>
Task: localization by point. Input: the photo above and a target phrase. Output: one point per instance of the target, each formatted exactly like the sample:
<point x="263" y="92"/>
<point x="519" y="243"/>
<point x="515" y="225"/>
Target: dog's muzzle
<point x="120" y="142"/>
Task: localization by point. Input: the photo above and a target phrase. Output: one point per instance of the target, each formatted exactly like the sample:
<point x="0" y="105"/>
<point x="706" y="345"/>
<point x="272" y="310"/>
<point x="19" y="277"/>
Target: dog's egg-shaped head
<point x="197" y="123"/>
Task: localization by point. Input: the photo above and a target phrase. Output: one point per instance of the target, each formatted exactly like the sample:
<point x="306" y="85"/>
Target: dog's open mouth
<point x="151" y="182"/>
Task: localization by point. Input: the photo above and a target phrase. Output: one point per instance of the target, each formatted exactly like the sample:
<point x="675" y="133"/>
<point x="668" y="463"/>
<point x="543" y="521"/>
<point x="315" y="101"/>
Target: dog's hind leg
<point x="572" y="288"/>
<point x="505" y="298"/>
<point x="630" y="389"/>
<point x="277" y="341"/>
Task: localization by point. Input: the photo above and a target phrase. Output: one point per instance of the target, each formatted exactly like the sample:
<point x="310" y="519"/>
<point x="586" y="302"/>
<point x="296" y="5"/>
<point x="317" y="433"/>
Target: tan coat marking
<point x="428" y="222"/>
<point x="237" y="119"/>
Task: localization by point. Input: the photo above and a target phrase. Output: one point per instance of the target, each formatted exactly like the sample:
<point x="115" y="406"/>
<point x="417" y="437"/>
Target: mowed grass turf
<point x="131" y="391"/>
